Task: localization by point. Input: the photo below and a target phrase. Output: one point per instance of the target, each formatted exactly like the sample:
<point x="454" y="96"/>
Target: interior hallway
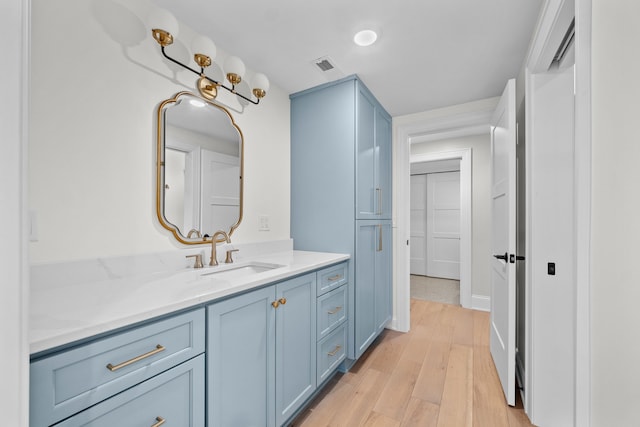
<point x="438" y="374"/>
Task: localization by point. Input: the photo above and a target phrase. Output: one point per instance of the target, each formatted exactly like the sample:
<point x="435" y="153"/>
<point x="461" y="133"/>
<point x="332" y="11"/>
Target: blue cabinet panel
<point x="241" y="360"/>
<point x="66" y="383"/>
<point x="332" y="310"/>
<point x="331" y="352"/>
<point x="332" y="277"/>
<point x="373" y="281"/>
<point x="175" y="396"/>
<point x="295" y="344"/>
<point x="367" y="187"/>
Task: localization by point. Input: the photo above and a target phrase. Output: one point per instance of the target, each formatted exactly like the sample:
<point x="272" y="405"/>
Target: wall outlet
<point x="264" y="223"/>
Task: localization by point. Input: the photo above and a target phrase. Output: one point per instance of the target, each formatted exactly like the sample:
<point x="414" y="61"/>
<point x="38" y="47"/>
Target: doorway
<point x="435" y="231"/>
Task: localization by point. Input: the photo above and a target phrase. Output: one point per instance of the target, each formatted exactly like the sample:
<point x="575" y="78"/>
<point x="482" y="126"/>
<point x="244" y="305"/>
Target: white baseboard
<point x="480" y="302"/>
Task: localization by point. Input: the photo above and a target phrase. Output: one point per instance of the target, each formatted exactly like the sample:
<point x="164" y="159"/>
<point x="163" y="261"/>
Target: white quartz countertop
<point x="66" y="311"/>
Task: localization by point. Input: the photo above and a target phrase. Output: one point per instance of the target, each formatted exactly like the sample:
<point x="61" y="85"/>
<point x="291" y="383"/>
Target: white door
<point x="220" y="189"/>
<point x="503" y="240"/>
<point x="443" y="225"/>
<point x="418" y="247"/>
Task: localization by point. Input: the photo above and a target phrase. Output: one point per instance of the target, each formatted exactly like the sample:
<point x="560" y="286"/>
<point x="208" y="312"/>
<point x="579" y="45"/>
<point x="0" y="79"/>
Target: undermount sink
<point x="241" y="270"/>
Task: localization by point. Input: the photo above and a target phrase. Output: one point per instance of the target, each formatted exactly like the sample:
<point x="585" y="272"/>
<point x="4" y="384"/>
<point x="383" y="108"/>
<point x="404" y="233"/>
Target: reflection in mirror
<point x="199" y="178"/>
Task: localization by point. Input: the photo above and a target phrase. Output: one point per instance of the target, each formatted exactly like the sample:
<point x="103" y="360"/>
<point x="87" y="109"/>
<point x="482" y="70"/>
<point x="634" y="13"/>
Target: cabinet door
<point x="373" y="158"/>
<point x="365" y="303"/>
<point x="373" y="281"/>
<point x="295" y="344"/>
<point x="241" y="360"/>
<point x="366" y="183"/>
<point x="383" y="282"/>
<point x="383" y="164"/>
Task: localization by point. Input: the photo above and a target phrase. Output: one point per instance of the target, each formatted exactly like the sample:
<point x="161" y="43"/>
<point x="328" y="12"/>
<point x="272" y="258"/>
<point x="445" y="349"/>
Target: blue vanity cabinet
<point x="262" y="354"/>
<point x="340" y="180"/>
<point x="70" y="381"/>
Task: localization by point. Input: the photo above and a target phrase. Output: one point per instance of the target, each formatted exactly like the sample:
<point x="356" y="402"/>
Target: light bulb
<point x="162" y="19"/>
<point x="234" y="67"/>
<point x="260" y="85"/>
<point x="202" y="45"/>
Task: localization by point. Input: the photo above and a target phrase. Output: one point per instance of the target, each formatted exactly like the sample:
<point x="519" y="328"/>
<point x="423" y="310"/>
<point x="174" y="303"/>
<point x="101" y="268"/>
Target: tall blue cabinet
<point x="341" y="194"/>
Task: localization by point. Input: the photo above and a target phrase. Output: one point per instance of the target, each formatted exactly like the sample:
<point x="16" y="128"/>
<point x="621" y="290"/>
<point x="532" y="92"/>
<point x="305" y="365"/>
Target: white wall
<point x="616" y="206"/>
<point x="480" y="202"/>
<point x="91" y="161"/>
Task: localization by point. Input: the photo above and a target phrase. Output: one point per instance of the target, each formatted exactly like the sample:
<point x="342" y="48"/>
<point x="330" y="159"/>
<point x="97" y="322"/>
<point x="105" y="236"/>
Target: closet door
<point x="443" y="225"/>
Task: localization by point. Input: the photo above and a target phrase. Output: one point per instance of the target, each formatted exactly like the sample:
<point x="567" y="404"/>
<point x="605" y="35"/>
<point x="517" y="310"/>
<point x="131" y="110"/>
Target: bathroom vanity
<point x="247" y="343"/>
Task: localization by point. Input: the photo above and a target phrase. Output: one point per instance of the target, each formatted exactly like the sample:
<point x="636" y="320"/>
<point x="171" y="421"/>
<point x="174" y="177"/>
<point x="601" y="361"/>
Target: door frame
<point x="467" y="120"/>
<point x="14" y="259"/>
<point x="464" y="156"/>
<point x="555" y="17"/>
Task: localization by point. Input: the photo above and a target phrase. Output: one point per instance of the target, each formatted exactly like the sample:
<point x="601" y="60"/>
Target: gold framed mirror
<point x="199" y="169"/>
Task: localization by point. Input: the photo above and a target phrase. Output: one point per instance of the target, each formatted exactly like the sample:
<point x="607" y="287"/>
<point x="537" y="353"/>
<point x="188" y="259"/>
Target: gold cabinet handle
<point x="114" y="368"/>
<point x="335" y="351"/>
<point x="282" y="300"/>
<point x="379" y="192"/>
<point x="275" y="304"/>
<point x="335" y="310"/>
<point x="160" y="421"/>
<point x="379" y="238"/>
<point x="334" y="278"/>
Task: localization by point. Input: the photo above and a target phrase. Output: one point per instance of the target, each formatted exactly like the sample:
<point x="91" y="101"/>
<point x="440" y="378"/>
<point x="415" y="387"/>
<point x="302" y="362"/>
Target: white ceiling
<point x="429" y="54"/>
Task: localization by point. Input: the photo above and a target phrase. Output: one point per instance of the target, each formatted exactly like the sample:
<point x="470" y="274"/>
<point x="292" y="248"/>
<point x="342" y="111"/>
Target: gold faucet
<point x="214" y="259"/>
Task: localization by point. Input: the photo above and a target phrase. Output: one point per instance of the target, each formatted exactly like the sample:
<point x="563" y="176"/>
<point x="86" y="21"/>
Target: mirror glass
<point x="199" y="175"/>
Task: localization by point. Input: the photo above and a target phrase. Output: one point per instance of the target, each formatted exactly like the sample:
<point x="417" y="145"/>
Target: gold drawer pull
<point x="336" y="277"/>
<point x="157" y="350"/>
<point x="160" y="421"/>
<point x="335" y="351"/>
<point x="283" y="300"/>
<point x="275" y="304"/>
<point x="335" y="310"/>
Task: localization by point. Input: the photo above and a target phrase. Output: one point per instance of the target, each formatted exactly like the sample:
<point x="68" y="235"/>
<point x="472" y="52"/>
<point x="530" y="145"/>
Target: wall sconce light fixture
<point x="164" y="27"/>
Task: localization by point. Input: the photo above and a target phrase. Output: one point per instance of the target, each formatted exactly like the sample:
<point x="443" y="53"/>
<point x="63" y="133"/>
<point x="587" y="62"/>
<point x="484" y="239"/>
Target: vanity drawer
<point x="332" y="277"/>
<point x="175" y="396"/>
<point x="331" y="352"/>
<point x="332" y="310"/>
<point x="68" y="382"/>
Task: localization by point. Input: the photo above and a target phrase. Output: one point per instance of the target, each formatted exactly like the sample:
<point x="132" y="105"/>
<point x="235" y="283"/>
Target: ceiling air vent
<point x="324" y="64"/>
<point x="328" y="68"/>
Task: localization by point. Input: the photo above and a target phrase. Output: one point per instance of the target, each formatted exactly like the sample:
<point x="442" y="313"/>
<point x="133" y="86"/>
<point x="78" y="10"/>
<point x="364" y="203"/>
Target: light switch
<point x="264" y="223"/>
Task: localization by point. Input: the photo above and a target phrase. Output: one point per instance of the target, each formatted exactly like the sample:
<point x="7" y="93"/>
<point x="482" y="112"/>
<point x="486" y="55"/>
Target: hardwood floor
<point x="439" y="374"/>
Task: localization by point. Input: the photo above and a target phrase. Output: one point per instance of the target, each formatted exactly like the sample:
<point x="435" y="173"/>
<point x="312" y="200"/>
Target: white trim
<point x="583" y="207"/>
<point x="480" y="302"/>
<point x="14" y="297"/>
<point x="414" y="128"/>
<point x="555" y="18"/>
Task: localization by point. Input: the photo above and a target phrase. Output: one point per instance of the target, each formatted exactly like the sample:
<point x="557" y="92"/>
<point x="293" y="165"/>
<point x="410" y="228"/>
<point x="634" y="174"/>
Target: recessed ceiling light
<point x="196" y="103"/>
<point x="365" y="37"/>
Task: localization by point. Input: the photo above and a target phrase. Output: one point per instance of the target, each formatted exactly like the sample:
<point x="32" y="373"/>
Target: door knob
<point x="504" y="257"/>
<point x="513" y="258"/>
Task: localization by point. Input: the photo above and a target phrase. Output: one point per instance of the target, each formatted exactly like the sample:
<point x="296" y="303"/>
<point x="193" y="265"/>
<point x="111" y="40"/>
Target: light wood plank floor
<point x="439" y="374"/>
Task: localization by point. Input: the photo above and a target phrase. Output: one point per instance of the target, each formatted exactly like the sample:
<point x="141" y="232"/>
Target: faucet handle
<point x="229" y="258"/>
<point x="198" y="260"/>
